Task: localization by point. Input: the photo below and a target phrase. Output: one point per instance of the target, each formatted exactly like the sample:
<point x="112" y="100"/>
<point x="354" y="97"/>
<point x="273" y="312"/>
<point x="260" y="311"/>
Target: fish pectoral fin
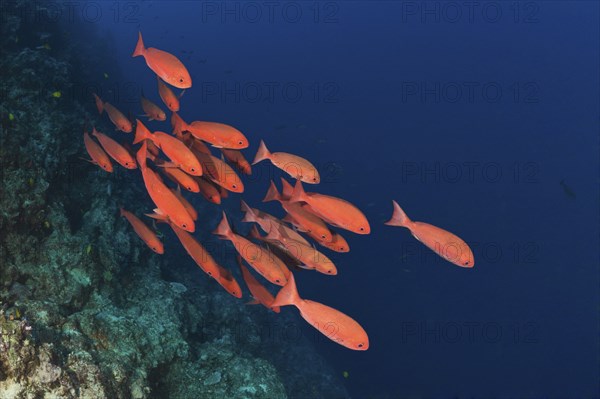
<point x="167" y="165"/>
<point x="90" y="161"/>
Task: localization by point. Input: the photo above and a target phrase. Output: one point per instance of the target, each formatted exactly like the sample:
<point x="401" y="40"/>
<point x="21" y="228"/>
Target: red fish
<point x="208" y="190"/>
<point x="152" y="111"/>
<point x="302" y="219"/>
<point x="330" y="322"/>
<point x="197" y="252"/>
<point x="442" y="242"/>
<point x="264" y="220"/>
<point x="165" y="65"/>
<point x="167" y="95"/>
<point x="163" y="198"/>
<point x="307" y="254"/>
<point x="264" y="262"/>
<point x="259" y="292"/>
<point x="116" y="117"/>
<point x="237" y="158"/>
<point x="144" y="232"/>
<point x="337" y="244"/>
<point x="181" y="178"/>
<point x="178" y="152"/>
<point x="219" y="172"/>
<point x="115" y="150"/>
<point x="295" y="166"/>
<point x="228" y="282"/>
<point x="333" y="210"/>
<point x="188" y="207"/>
<point x="99" y="157"/>
<point x="218" y="134"/>
<point x="202" y="257"/>
<point x="277" y="249"/>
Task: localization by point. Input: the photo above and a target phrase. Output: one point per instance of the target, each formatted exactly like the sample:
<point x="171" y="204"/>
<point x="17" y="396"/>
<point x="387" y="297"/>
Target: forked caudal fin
<point x="223" y="229"/>
<point x="286" y="188"/>
<point x="158" y="215"/>
<point x="288" y="295"/>
<point x="249" y="215"/>
<point x="139" y="47"/>
<point x="272" y="194"/>
<point x="298" y="194"/>
<point x="141" y="132"/>
<point x="399" y="218"/>
<point x="262" y="153"/>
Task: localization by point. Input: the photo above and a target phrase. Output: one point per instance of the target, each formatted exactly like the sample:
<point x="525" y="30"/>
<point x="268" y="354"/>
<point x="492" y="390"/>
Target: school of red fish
<point x="185" y="158"/>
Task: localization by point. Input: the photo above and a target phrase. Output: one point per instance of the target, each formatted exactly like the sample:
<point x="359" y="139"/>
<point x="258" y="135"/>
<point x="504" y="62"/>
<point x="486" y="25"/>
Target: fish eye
<point x="240" y="142"/>
<point x="154" y="248"/>
<point x="184" y="225"/>
<point x="360" y="345"/>
<point x="233" y="186"/>
<point x="180" y="80"/>
<point x="329" y="271"/>
<point x="342" y="248"/>
<point x="192" y="169"/>
<point x="210" y="274"/>
<point x="189" y="188"/>
<point x="362" y="229"/>
<point x="467" y="262"/>
<point x="323" y="236"/>
<point x="277" y="281"/>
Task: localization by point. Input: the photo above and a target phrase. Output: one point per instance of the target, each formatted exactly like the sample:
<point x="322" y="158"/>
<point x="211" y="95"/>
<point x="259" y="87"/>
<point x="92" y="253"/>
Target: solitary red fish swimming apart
<point x="164" y="64"/>
<point x="442" y="242"/>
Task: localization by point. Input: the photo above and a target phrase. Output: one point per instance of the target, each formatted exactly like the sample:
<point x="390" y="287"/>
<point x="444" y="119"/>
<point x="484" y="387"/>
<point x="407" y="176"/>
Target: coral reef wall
<point x="87" y="311"/>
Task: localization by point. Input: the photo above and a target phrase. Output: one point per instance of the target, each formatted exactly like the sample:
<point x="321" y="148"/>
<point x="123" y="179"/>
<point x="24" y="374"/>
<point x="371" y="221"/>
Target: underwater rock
<point x="222" y="373"/>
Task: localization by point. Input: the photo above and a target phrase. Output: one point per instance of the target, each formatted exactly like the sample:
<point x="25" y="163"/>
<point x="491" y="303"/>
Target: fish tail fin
<point x="94" y="131"/>
<point x="141" y="132"/>
<point x="249" y="216"/>
<point x="272" y="194"/>
<point x="223" y="229"/>
<point x="298" y="194"/>
<point x="288" y="295"/>
<point x="262" y="153"/>
<point x="399" y="218"/>
<point x="286" y="188"/>
<point x="139" y="47"/>
<point x="122" y="211"/>
<point x="158" y="215"/>
<point x="99" y="103"/>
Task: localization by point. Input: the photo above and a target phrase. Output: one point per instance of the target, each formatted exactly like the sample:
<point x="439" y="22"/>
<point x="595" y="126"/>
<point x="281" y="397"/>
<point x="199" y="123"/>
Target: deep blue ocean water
<point x="470" y="115"/>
